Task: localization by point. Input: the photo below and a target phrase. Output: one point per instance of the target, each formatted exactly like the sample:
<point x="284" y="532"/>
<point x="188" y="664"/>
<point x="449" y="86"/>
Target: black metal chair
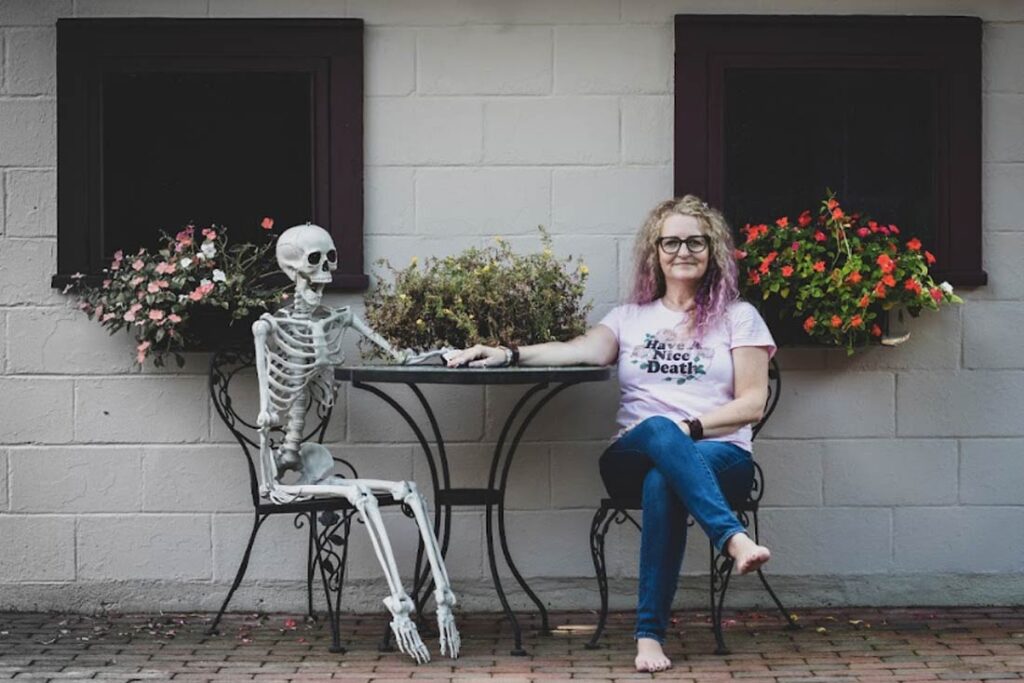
<point x="619" y="511"/>
<point x="328" y="521"/>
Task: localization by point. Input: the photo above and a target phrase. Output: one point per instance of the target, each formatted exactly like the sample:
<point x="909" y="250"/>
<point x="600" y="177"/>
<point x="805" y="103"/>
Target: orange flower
<point x="836" y="321"/>
<point x="753" y="277"/>
<point x="876" y="331"/>
<point x="912" y="285"/>
<point x="267" y="223"/>
<point x="782" y="222"/>
<point x="832" y="203"/>
<point x="880" y="290"/>
<point x="856" y="321"/>
<point x="809" y="324"/>
<point x="854" y="277"/>
<point x="888" y="280"/>
<point x="819" y="266"/>
<point x="766" y="262"/>
<point x="929" y="257"/>
<point x="914" y="245"/>
<point x="787" y="271"/>
<point x="864" y="301"/>
<point x="885" y="263"/>
<point x="837" y="213"/>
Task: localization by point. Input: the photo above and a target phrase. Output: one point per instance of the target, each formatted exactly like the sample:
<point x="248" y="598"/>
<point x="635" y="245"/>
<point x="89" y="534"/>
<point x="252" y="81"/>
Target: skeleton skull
<point x="307" y="251"/>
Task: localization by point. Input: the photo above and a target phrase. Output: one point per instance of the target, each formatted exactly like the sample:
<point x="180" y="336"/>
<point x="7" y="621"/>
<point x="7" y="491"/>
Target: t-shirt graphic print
<point x="664" y="370"/>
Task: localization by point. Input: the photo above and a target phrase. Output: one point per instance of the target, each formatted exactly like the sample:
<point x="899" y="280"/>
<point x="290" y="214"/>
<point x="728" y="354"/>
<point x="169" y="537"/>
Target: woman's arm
<point x="597" y="347"/>
<point x="750" y="388"/>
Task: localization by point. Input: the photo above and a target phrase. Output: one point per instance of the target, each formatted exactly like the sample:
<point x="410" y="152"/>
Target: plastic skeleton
<point x="296" y="351"/>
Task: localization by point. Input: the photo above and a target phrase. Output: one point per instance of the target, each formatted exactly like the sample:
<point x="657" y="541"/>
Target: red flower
<point x="936" y="294"/>
<point x="819" y="266"/>
<point x="854" y="277"/>
<point x="787" y="271"/>
<point x="805" y="219"/>
<point x="836" y="321"/>
<point x="831" y="204"/>
<point x="929" y="257"/>
<point x="864" y="301"/>
<point x="876" y="331"/>
<point x="809" y="324"/>
<point x="795" y="246"/>
<point x="873" y="225"/>
<point x="267" y="223"/>
<point x="766" y="262"/>
<point x="894" y="230"/>
<point x="837" y="213"/>
<point x="885" y="263"/>
<point x="880" y="290"/>
<point x="856" y="321"/>
<point x="863" y="232"/>
<point x="888" y="280"/>
<point x="914" y="245"/>
<point x="753" y="277"/>
<point x="912" y="285"/>
<point x="782" y="222"/>
<point x="819" y="236"/>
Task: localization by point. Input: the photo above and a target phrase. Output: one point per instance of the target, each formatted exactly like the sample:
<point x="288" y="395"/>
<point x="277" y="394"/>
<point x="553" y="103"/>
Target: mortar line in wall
<point x="415" y="63"/>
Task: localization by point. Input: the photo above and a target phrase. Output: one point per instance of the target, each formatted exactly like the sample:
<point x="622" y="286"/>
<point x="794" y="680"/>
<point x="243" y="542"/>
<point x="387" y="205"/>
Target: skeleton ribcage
<point x="301" y="355"/>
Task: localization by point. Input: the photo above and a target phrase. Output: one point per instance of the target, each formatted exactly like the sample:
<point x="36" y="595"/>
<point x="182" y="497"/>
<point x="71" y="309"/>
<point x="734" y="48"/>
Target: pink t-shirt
<point x="664" y="371"/>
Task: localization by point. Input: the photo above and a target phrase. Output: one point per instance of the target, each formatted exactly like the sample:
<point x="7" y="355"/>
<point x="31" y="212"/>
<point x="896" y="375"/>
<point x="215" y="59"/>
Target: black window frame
<point x="330" y="50"/>
<point x="947" y="48"/>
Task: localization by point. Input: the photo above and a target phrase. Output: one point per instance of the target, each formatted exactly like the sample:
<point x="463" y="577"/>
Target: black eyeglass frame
<point x="703" y="240"/>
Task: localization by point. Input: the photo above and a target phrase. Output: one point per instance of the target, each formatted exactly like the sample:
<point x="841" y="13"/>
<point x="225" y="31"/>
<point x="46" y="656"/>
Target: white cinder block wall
<point x="893" y="478"/>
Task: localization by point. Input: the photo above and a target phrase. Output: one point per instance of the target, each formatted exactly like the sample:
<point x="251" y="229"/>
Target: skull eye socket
<point x="332" y="256"/>
<point x="313" y="258"/>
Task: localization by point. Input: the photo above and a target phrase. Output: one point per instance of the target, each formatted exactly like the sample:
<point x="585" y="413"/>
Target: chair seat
<point x="316" y="504"/>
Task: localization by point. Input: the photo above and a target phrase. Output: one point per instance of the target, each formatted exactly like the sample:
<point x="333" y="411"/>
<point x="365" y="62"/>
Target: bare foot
<point x="748" y="555"/>
<point x="650" y="657"/>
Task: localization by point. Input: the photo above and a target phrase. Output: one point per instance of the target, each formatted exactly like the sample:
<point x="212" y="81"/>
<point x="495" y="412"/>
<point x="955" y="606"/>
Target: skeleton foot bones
<point x="297" y="348"/>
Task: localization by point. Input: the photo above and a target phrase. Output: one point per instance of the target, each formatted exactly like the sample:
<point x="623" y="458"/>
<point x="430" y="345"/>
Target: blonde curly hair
<point x="719" y="286"/>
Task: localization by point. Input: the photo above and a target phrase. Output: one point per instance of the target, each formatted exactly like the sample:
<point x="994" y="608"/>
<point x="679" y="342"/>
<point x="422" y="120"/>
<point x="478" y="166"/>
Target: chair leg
<point x="332" y="568"/>
<point x="791" y="621"/>
<point x="310" y="565"/>
<point x="598" y="530"/>
<point x="240" y="574"/>
<point x="721" y="571"/>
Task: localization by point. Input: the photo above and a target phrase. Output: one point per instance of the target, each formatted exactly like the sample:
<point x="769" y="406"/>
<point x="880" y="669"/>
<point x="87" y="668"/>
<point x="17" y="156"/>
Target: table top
<point x="438" y="374"/>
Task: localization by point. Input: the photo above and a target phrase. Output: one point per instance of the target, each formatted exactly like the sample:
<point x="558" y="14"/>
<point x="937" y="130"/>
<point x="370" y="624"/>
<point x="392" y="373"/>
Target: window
<point x="771" y="110"/>
<point x="161" y="122"/>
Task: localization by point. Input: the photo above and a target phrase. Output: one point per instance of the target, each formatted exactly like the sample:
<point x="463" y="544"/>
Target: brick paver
<point x="834" y="646"/>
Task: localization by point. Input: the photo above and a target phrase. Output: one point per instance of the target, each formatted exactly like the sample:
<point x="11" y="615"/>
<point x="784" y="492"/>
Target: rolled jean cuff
<point x="724" y="538"/>
<point x="648" y="634"/>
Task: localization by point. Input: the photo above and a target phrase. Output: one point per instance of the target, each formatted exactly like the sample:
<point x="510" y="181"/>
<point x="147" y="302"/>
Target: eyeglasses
<point x="695" y="244"/>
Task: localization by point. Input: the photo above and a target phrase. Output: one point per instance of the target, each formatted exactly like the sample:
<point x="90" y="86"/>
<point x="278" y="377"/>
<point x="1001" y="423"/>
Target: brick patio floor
<point x="833" y="646"/>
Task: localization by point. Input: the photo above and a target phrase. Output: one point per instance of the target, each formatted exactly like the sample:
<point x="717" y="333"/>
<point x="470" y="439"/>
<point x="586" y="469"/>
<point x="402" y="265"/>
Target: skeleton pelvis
<point x="314" y="463"/>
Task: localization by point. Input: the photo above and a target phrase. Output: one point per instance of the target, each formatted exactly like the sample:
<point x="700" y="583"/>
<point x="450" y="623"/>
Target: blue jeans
<point x="673" y="476"/>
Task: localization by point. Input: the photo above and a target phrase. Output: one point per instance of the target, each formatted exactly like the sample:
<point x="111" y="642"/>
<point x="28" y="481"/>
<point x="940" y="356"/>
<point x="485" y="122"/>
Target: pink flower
<point x="138" y="264"/>
<point x="267" y="223"/>
<point x="863" y="232"/>
<point x="174" y="318"/>
<point x="184" y="237"/>
<point x="209" y="233"/>
<point x="141" y="350"/>
<point x="129" y="316"/>
<point x="200" y="291"/>
<point x="110" y="316"/>
<point x="106" y="284"/>
<point x="136" y="280"/>
<point x="795" y="246"/>
<point x="118" y="255"/>
<point x="135" y="308"/>
<point x="156" y="314"/>
<point x="164" y="268"/>
<point x="152" y="288"/>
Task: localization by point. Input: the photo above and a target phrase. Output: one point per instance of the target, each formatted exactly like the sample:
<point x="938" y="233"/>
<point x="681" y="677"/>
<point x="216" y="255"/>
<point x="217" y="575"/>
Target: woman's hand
<point x="478" y="356"/>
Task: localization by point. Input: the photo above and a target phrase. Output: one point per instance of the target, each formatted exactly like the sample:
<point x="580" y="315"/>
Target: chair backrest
<point x="774" y="388"/>
<point x="232" y="371"/>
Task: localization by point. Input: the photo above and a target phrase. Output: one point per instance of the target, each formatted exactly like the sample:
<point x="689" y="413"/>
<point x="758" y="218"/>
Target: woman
<point x="693" y="373"/>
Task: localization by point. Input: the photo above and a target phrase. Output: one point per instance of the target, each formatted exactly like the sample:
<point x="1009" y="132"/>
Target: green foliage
<point x="154" y="295"/>
<point x="488" y="296"/>
<point x="837" y="272"/>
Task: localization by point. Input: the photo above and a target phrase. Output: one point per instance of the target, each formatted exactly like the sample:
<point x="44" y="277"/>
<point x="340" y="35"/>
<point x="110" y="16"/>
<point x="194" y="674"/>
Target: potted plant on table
<point x="838" y="273"/>
<point x="486" y="295"/>
<point x="193" y="293"/>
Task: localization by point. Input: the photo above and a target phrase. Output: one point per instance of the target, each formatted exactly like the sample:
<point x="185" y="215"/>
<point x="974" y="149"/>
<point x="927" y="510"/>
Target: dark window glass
<point x="865" y="133"/>
<point x="226" y="148"/>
